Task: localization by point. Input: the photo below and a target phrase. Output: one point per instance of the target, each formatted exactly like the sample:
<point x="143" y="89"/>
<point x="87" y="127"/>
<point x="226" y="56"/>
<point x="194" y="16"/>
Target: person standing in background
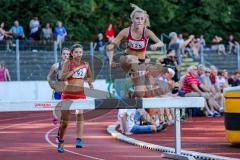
<point x="109" y="33"/>
<point x="60" y="33"/>
<point x="4" y="72"/>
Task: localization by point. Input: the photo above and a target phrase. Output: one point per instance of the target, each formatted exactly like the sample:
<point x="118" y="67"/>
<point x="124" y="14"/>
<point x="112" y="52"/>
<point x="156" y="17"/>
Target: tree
<point x="85" y="18"/>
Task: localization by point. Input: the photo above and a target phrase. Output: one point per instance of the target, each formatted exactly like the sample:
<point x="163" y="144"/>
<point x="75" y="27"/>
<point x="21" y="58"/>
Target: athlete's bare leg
<point x="79" y="123"/>
<point x="64" y="123"/>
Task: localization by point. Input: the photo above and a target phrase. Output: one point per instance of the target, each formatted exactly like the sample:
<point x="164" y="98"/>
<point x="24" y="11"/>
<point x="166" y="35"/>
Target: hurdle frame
<point x="177" y="155"/>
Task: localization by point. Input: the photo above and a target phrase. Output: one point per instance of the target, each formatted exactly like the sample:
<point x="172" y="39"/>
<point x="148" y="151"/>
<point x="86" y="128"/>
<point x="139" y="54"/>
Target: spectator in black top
<point x="171" y="62"/>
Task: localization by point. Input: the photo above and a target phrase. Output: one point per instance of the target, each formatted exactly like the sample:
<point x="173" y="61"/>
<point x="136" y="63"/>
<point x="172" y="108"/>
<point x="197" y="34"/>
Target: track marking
<point x="114" y="133"/>
<point x="54" y="145"/>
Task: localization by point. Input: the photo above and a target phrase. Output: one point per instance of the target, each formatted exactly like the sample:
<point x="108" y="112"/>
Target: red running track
<point x="200" y="134"/>
<point x="31" y="135"/>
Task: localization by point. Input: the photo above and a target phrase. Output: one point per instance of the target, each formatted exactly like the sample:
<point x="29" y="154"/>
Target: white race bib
<point x="81" y="73"/>
<point x="136" y="44"/>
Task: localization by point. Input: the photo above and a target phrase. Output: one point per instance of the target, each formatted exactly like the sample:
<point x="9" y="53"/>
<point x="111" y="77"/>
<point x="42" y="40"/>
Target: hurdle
<point x="90" y="104"/>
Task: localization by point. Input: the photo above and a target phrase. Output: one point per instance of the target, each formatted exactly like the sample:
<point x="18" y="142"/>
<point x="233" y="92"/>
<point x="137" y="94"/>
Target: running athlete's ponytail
<point x="138" y="9"/>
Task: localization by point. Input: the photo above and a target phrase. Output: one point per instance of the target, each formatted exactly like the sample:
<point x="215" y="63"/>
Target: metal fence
<point x="31" y="60"/>
<point x="221" y="55"/>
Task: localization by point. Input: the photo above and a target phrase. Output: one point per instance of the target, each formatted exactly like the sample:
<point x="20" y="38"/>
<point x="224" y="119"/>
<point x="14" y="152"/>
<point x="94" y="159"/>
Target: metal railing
<point x="17" y="54"/>
<point x="221" y="53"/>
<point x="162" y="37"/>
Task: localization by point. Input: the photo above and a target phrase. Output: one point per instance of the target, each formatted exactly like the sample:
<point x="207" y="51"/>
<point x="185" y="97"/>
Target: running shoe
<point x="162" y="126"/>
<point x="78" y="143"/>
<point x="210" y="114"/>
<point x="60" y="148"/>
<point x="216" y="114"/>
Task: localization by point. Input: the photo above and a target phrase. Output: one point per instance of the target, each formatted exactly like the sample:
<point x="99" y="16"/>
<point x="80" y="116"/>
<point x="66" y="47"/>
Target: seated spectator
<point x="34" y="29"/>
<point x="233" y="45"/>
<point x="47" y="33"/>
<point x="5" y="36"/>
<point x="17" y="31"/>
<point x="60" y="33"/>
<point x="218" y="46"/>
<point x="109" y="33"/>
<point x="195" y="47"/>
<point x="4" y="72"/>
<point x="134" y="121"/>
<point x="221" y="82"/>
<point x="213" y="75"/>
<point x="234" y="80"/>
<point x="192" y="87"/>
<point x="214" y="97"/>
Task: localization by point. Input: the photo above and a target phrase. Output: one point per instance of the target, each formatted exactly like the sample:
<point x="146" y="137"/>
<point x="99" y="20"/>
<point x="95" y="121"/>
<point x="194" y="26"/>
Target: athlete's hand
<point x="154" y="47"/>
<point x="76" y="69"/>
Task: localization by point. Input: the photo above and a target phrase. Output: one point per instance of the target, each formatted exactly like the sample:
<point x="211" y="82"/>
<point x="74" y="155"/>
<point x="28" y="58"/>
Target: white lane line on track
<point x="23" y="123"/>
<point x="111" y="129"/>
<point x="54" y="145"/>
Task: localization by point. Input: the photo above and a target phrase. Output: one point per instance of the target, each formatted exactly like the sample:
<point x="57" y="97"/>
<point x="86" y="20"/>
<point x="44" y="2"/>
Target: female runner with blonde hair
<point x="136" y="36"/>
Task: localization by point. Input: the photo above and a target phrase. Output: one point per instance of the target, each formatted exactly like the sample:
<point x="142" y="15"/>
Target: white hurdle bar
<point x="167" y="102"/>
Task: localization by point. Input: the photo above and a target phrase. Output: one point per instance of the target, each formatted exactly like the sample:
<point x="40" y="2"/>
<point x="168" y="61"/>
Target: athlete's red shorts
<point x="73" y="95"/>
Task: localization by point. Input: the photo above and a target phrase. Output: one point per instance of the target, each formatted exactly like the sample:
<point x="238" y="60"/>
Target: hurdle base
<point x="177" y="156"/>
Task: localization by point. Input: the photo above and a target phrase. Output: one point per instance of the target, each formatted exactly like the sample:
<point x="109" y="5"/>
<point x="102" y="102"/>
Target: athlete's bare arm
<point x="89" y="77"/>
<point x="191" y="37"/>
<point x="50" y="74"/>
<point x="154" y="38"/>
<point x="65" y="72"/>
<point x="117" y="40"/>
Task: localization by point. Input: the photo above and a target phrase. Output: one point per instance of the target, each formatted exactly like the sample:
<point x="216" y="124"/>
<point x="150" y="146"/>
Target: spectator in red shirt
<point x="109" y="33"/>
<point x="192" y="87"/>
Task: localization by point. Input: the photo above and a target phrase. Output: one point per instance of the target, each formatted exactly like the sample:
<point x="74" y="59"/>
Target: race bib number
<point x="136" y="44"/>
<point x="81" y="73"/>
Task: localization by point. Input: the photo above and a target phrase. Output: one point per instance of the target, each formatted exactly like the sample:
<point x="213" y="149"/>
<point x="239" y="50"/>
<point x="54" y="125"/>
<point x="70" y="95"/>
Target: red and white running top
<point x="139" y="45"/>
<point x="81" y="73"/>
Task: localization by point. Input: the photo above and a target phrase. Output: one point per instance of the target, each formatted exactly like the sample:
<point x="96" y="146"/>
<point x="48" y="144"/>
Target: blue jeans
<point x="141" y="129"/>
